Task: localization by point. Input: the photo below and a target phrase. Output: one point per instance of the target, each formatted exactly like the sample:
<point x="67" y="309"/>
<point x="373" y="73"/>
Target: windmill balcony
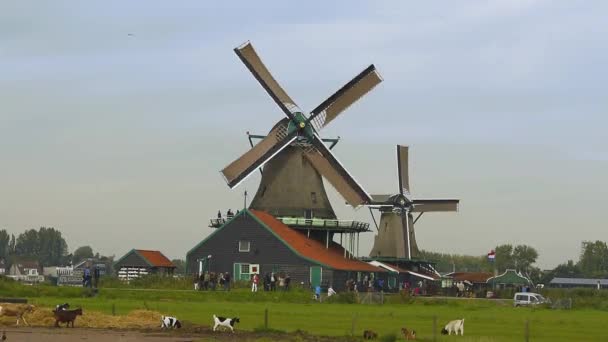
<point x="343" y="226"/>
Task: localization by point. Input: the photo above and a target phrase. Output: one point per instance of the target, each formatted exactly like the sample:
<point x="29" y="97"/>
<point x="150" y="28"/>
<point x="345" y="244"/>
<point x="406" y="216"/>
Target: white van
<point x="528" y="298"/>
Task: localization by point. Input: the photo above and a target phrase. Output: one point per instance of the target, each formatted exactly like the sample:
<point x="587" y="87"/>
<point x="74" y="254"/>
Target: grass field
<point x="485" y="320"/>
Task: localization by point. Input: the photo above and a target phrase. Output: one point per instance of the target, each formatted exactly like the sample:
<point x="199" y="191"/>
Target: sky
<point x="116" y="117"/>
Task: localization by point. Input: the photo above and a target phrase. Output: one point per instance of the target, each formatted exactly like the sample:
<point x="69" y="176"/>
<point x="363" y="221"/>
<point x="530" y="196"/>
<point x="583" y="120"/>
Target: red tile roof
<point x="156" y="258"/>
<point x="313" y="249"/>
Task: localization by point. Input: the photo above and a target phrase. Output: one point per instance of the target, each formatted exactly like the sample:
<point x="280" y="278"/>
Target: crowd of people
<point x="229" y="214"/>
<point x="212" y="281"/>
<point x="271" y="282"/>
<point x="371" y="284"/>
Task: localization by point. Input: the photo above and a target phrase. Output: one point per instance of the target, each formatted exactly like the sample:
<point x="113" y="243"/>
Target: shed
<point x="579" y="282"/>
<point x="141" y="262"/>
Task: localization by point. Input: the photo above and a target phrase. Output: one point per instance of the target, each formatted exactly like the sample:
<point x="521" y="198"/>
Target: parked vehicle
<point x="528" y="298"/>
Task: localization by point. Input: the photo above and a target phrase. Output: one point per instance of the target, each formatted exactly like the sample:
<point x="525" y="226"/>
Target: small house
<point x="26" y="271"/>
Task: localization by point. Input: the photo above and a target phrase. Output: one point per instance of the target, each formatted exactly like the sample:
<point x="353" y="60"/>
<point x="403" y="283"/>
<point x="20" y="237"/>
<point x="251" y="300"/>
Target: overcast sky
<point x="116" y="117"/>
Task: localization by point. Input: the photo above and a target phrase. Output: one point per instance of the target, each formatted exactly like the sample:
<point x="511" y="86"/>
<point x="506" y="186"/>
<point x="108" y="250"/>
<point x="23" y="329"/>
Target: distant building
<point x="26" y="271"/>
<point x="139" y="262"/>
<point x="92" y="263"/>
<point x="510" y="278"/>
<point x="2" y="267"/>
<point x="579" y="282"/>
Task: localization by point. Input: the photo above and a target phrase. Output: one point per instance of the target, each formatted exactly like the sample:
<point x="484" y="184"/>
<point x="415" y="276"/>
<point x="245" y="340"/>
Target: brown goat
<point x="408" y="334"/>
<point x="66" y="316"/>
<point x="369" y="335"/>
<point x="18" y="311"/>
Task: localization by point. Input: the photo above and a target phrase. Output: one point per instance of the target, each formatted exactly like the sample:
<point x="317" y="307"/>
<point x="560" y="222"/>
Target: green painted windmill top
<point x="300" y="124"/>
<point x="510" y="277"/>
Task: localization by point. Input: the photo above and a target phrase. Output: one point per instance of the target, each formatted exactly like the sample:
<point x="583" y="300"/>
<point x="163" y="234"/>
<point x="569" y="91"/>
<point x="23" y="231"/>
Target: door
<point x="392" y="282"/>
<point x="237" y="272"/>
<point x="315" y="276"/>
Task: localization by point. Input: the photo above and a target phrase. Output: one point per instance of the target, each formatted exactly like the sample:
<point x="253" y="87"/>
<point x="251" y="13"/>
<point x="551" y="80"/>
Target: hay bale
<point x="137" y="319"/>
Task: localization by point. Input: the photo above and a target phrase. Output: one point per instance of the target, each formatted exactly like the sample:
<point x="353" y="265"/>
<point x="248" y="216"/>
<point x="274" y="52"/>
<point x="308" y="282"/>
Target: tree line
<point x="592" y="263"/>
<point x="47" y="246"/>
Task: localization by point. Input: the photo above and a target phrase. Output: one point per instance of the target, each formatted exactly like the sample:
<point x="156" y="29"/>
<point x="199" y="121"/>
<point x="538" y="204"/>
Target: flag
<point x="491" y="255"/>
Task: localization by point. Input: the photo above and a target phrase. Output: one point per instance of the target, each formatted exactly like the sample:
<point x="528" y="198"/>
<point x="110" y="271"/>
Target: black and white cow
<point x="224" y="322"/>
<point x="168" y="322"/>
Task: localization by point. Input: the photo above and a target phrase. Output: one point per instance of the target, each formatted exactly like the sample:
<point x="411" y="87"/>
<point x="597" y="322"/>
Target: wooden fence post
<point x="434" y="328"/>
<point x="266" y="318"/>
<point x="527" y="330"/>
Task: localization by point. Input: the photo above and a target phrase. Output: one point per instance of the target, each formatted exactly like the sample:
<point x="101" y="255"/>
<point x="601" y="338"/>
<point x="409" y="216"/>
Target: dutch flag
<point x="491" y="255"/>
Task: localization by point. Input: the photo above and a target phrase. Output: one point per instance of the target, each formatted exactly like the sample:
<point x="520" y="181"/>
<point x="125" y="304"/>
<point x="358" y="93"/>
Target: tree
<point x="566" y="270"/>
<point x="524" y="257"/>
<point x="448" y="262"/>
<point x="594" y="259"/>
<point x="45" y="245"/>
<point x="504" y="257"/>
<point x="53" y="247"/>
<point x="27" y="244"/>
<point x="12" y="244"/>
<point x="180" y="266"/>
<point x="82" y="253"/>
<point x="5" y="240"/>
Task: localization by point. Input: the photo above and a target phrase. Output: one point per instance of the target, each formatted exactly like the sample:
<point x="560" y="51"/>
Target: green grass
<point x="484" y="320"/>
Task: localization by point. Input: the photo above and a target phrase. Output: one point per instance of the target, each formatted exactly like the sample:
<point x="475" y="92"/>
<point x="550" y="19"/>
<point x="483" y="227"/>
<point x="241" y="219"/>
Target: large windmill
<point x="396" y="238"/>
<point x="293" y="156"/>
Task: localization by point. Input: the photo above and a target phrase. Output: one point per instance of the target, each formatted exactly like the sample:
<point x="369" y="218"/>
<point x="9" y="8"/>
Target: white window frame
<point x="241" y="249"/>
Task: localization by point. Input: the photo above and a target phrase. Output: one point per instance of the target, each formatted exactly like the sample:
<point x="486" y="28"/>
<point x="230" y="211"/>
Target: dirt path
<point x="24" y="334"/>
<point x="196" y="334"/>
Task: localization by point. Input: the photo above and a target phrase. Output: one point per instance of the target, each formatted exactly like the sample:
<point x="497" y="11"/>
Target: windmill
<point x="396" y="237"/>
<point x="293" y="156"/>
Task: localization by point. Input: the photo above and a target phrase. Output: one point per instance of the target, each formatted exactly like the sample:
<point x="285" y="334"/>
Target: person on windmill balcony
<point x="229" y="214"/>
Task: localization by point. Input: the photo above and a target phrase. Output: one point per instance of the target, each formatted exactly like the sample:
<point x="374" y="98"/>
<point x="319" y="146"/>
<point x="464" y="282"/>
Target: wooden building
<point x="256" y="242"/>
<point x="139" y="262"/>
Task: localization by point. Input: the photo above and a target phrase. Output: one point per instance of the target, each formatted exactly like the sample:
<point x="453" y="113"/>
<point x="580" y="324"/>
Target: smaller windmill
<point x="396" y="237"/>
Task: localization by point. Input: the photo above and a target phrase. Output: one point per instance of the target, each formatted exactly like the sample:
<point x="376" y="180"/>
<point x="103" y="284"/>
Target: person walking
<point x="254" y="283"/>
<point x="227" y="281"/>
<point x="96" y="275"/>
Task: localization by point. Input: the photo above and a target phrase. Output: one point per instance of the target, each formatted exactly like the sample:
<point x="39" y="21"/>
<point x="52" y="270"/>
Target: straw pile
<point x="137" y="319"/>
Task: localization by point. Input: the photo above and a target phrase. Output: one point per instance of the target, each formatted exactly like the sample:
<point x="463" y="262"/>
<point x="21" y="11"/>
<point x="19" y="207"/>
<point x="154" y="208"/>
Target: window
<point x="245" y="269"/>
<point x="308" y="213"/>
<point x="313" y="197"/>
<point x="244" y="246"/>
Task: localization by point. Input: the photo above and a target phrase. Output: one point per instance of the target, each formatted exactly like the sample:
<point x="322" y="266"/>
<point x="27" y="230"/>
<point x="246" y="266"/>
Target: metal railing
<point x="314" y="223"/>
<point x="324" y="223"/>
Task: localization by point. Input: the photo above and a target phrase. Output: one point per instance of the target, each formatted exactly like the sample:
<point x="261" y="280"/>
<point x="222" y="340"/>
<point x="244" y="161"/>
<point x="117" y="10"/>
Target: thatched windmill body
<point x="293" y="156"/>
<point x="396" y="237"/>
